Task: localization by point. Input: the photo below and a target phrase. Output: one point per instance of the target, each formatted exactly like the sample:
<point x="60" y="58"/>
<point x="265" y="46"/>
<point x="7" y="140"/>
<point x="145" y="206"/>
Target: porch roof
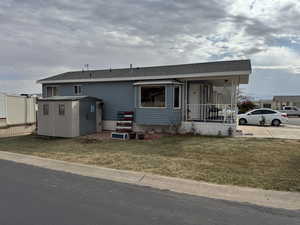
<point x="220" y="68"/>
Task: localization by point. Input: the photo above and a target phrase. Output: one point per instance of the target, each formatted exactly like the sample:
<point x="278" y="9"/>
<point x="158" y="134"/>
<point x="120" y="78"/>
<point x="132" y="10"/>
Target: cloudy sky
<point x="41" y="38"/>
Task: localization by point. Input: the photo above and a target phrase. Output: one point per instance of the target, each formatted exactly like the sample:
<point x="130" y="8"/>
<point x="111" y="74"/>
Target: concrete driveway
<point x="284" y="131"/>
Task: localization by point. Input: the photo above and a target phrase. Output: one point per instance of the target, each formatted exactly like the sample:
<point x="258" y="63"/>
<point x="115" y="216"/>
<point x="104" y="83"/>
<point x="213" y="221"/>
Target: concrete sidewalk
<point x="267" y="198"/>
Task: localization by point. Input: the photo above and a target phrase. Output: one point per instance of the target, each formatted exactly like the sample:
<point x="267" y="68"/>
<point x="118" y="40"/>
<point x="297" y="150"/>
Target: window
<point x="61" y="109"/>
<point x="77" y="89"/>
<point x="51" y="91"/>
<point x="268" y="112"/>
<point x="45" y="109"/>
<point x="267" y="105"/>
<point x="177" y="97"/>
<point x="153" y="96"/>
<point x="92" y="108"/>
<point x="256" y="112"/>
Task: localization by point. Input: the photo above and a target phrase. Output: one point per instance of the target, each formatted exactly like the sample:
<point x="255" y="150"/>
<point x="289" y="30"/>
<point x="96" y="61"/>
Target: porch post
<point x="232" y="107"/>
<point x="232" y="95"/>
<point x="237" y="92"/>
<point x="183" y="101"/>
<point x="186" y="100"/>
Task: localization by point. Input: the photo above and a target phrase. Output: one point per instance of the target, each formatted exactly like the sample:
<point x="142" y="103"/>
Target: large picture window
<point x="153" y="96"/>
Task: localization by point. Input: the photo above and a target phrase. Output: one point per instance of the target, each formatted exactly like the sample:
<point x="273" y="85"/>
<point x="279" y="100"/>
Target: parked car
<point x="263" y="117"/>
<point x="291" y="110"/>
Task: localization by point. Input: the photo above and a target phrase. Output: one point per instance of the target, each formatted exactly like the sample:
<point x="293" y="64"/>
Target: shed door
<point x="99" y="108"/>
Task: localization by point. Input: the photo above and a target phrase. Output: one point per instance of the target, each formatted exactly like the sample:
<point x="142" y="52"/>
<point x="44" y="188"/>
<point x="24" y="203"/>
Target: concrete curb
<point x="267" y="198"/>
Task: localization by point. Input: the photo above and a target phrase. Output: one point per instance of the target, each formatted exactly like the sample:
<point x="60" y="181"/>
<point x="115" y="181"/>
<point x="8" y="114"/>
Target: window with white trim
<point x="153" y="96"/>
<point x="177" y="97"/>
<point x="77" y="89"/>
<point x="51" y="91"/>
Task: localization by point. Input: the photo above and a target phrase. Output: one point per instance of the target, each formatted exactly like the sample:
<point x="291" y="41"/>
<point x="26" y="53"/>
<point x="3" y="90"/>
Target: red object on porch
<point x="125" y="122"/>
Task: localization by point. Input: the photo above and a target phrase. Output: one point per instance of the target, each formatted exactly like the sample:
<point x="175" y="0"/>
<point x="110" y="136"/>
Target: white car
<point x="263" y="117"/>
<point x="291" y="111"/>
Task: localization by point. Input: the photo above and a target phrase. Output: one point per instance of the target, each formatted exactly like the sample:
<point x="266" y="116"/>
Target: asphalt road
<point x="294" y="121"/>
<point x="36" y="196"/>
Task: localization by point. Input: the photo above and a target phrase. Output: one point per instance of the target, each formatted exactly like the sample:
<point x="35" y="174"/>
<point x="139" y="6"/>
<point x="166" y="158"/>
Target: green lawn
<point x="264" y="163"/>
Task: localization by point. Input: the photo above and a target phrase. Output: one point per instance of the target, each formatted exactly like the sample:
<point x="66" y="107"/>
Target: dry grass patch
<point x="264" y="163"/>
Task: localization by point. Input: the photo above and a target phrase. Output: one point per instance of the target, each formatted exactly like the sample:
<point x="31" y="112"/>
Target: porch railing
<point x="224" y="113"/>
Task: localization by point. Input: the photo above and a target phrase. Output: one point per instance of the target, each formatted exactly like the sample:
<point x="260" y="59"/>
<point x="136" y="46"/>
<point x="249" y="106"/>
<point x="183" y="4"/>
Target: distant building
<point x="264" y="103"/>
<point x="288" y="100"/>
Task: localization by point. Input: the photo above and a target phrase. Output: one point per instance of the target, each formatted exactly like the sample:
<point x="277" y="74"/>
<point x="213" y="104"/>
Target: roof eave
<point x="179" y="76"/>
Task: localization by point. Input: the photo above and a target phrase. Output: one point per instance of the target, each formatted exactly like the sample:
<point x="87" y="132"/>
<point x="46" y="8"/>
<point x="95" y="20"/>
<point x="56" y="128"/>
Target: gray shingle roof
<point x="196" y="68"/>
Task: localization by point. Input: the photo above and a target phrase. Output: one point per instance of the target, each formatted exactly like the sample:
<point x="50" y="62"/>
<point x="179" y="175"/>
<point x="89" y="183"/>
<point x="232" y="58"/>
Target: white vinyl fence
<point x="2" y="106"/>
<point x="17" y="110"/>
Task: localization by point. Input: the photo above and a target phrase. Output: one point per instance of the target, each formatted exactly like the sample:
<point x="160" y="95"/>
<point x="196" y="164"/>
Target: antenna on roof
<point x="131" y="69"/>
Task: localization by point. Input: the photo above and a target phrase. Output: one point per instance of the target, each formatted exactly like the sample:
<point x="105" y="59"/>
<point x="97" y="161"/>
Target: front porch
<point x="210" y="106"/>
<point x="210" y="100"/>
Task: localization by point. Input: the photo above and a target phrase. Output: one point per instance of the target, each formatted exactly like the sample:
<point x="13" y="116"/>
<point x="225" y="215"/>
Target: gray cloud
<point x="47" y="33"/>
<point x="40" y="38"/>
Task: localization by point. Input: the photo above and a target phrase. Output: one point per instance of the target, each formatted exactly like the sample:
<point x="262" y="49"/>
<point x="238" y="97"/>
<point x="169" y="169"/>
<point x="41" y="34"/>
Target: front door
<point x="194" y="101"/>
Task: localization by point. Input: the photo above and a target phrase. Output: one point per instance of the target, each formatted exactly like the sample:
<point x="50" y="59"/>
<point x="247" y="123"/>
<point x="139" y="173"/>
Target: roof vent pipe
<point x="130" y="66"/>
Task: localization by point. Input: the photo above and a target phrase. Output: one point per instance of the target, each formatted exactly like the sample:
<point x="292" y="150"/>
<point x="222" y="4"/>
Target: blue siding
<point x="158" y="116"/>
<point x="120" y="96"/>
<point x="116" y="96"/>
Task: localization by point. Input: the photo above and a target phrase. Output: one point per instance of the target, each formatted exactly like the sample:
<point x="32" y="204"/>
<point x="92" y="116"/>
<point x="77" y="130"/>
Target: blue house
<point x="199" y="98"/>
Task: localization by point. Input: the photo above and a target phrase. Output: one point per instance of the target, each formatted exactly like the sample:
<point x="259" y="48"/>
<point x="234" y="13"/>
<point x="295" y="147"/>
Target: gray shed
<point x="69" y="116"/>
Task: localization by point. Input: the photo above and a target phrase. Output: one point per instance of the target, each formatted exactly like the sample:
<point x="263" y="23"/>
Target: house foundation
<point x="199" y="128"/>
<point x="208" y="128"/>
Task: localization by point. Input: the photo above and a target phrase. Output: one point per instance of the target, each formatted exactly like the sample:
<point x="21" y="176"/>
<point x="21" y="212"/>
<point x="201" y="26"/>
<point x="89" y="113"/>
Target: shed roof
<point x="234" y="67"/>
<point x="68" y="98"/>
